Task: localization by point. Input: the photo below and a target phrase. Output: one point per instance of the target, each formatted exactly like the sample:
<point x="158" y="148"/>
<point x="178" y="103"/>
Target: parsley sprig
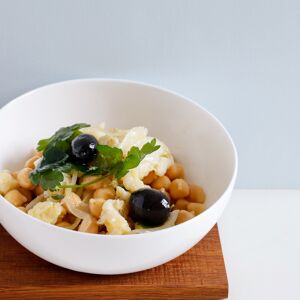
<point x="62" y="137"/>
<point x="57" y="160"/>
<point x="111" y="159"/>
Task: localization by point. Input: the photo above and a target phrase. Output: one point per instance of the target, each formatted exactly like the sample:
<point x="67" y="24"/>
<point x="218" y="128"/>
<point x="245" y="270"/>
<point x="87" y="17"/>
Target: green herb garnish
<point x="62" y="137"/>
<point x="57" y="160"/>
<point x="110" y="162"/>
<point x="111" y="159"/>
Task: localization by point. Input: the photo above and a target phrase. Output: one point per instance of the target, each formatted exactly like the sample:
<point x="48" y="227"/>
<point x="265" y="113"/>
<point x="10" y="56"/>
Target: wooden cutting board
<point x="198" y="274"/>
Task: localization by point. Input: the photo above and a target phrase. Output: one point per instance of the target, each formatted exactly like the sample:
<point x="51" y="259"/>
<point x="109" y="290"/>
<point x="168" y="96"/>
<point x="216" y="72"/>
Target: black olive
<point x="84" y="148"/>
<point x="149" y="207"/>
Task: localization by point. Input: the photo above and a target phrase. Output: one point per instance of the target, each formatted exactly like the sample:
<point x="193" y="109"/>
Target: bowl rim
<point x="141" y="84"/>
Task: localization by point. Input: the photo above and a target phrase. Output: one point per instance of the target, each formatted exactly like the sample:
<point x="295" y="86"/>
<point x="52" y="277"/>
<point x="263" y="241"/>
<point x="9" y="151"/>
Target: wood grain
<point x="198" y="274"/>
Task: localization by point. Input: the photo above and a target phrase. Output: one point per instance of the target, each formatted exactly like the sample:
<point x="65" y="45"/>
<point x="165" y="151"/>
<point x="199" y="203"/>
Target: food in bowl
<point x="195" y="137"/>
<point x="103" y="181"/>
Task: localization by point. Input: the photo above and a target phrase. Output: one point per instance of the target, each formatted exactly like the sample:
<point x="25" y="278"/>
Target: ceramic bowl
<point x="196" y="138"/>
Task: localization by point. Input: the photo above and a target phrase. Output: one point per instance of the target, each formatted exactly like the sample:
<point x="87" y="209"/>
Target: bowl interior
<point x="194" y="137"/>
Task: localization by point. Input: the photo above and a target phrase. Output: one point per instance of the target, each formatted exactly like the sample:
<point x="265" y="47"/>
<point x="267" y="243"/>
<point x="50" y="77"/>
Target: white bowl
<point x="195" y="137"/>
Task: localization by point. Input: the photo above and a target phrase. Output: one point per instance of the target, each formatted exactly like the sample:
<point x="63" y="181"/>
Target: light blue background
<point x="239" y="59"/>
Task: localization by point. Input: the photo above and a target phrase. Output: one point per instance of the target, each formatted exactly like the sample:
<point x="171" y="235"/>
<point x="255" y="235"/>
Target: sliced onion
<point x="35" y="201"/>
<point x="170" y="222"/>
<point x="72" y="182"/>
<point x="75" y="206"/>
<point x="89" y="224"/>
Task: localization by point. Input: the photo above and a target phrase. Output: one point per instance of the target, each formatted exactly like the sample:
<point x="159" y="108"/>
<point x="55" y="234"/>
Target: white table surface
<point x="260" y="235"/>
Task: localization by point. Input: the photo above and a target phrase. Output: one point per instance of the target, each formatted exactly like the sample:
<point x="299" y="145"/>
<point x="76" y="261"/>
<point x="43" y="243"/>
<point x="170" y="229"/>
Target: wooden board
<point x="198" y="274"/>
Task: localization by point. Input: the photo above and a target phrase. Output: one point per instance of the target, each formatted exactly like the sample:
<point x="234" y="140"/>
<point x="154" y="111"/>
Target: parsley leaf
<point x="111" y="161"/>
<point x="52" y="158"/>
<point x="108" y="157"/>
<point x="134" y="157"/>
<point x="42" y="144"/>
<point x="64" y="134"/>
<point x="56" y="158"/>
<point x="49" y="179"/>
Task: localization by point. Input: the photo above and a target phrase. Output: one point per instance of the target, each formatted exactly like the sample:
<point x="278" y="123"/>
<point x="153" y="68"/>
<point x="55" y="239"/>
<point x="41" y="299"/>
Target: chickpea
<point x="196" y="194"/>
<point x="7" y="182"/>
<point x="24" y="180"/>
<point x="175" y="171"/>
<point x="30" y="162"/>
<point x="15" y="198"/>
<point x="181" y="204"/>
<point x="93" y="186"/>
<point x="161" y="182"/>
<point x="105" y="193"/>
<point x="97" y="185"/>
<point x="197" y="208"/>
<point x="105" y="182"/>
<point x="179" y="189"/>
<point x="26" y="193"/>
<point x="184" y="216"/>
<point x="150" y="178"/>
<point x="95" y="206"/>
<point x="63" y="224"/>
<point x="38" y="190"/>
<point x="14" y="174"/>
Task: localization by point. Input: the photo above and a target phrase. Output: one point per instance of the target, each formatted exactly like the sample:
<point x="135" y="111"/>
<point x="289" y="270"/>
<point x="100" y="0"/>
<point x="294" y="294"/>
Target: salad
<point x="103" y="181"/>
